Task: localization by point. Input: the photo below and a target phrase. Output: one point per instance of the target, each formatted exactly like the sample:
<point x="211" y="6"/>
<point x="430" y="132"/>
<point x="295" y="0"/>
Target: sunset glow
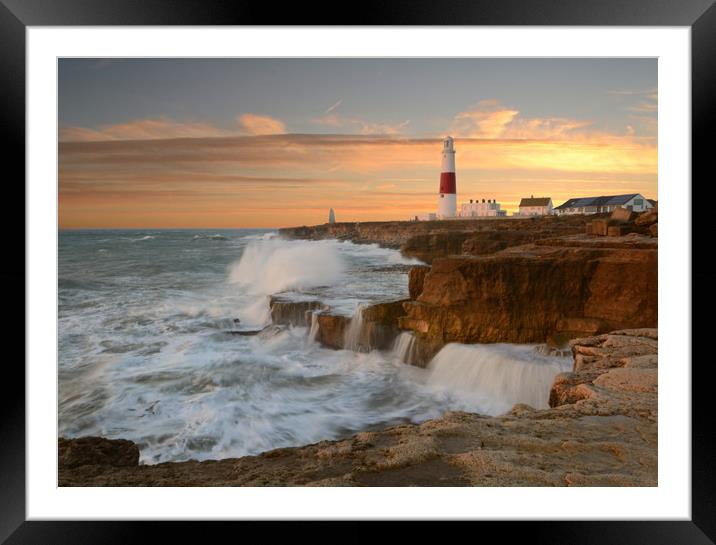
<point x="259" y="168"/>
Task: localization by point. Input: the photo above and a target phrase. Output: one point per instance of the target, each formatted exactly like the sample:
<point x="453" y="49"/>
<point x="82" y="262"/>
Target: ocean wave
<point x="209" y="237"/>
<point x="271" y="266"/>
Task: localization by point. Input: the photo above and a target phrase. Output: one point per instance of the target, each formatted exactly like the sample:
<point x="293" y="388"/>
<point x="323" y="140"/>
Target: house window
<point x="638" y="202"/>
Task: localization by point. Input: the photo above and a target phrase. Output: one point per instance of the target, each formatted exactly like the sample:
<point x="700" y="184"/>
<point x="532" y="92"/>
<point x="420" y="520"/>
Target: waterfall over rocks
<point x="313" y="331"/>
<point x="404" y="347"/>
<point x="495" y="377"/>
<point x="353" y="335"/>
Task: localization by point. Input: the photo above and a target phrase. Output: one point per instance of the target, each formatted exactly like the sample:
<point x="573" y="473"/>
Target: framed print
<point x="405" y="270"/>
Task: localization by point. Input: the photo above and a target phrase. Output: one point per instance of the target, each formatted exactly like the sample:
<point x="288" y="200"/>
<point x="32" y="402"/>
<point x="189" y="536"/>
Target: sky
<point x="161" y="143"/>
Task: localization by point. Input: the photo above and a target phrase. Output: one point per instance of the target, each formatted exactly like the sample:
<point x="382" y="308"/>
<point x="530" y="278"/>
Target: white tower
<point x="447" y="200"/>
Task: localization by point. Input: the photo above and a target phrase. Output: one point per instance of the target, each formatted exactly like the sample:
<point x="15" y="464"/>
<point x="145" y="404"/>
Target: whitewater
<point x="151" y="347"/>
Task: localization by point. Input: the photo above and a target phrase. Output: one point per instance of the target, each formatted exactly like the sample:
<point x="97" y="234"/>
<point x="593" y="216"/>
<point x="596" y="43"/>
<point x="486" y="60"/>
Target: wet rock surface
<point x="377" y="330"/>
<point x="602" y="431"/>
<point x="295" y="313"/>
<point x="97" y="451"/>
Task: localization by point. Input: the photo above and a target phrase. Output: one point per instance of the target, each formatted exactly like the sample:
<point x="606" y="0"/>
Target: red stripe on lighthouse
<point x="447" y="182"/>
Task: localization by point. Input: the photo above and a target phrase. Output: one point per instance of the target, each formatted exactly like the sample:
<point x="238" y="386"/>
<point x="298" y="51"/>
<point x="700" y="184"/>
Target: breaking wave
<point x="270" y="266"/>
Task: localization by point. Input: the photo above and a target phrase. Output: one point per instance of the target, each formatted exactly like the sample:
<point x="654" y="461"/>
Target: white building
<point x="483" y="209"/>
<point x="536" y="206"/>
<point x="596" y="205"/>
<point x="432" y="216"/>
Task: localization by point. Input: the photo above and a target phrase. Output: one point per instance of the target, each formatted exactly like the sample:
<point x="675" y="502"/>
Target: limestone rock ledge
<point x="601" y="431"/>
<point x="549" y="291"/>
<point x="427" y="240"/>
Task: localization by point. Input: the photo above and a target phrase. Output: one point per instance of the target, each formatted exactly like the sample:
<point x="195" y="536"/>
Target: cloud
<point x="644" y="107"/>
<point x="331" y="120"/>
<point x="361" y="126"/>
<point x="163" y="128"/>
<point x="331" y="108"/>
<point x="292" y="179"/>
<point x="357" y="155"/>
<point x="649" y="99"/>
<point x="383" y="128"/>
<point x="261" y="124"/>
<point x="490" y="119"/>
<point x="141" y="129"/>
<point x="487" y="119"/>
<point x="631" y="91"/>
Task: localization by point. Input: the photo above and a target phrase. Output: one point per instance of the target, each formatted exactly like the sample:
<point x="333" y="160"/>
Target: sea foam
<point x="492" y="378"/>
<point x="271" y="266"/>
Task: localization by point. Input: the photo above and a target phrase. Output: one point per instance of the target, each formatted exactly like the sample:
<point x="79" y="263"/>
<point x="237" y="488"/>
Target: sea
<point x="151" y="350"/>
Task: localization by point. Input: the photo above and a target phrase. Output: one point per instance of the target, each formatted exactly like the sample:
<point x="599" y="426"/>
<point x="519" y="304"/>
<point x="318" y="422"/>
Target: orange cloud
<point x="261" y="124"/>
<point x="281" y="180"/>
<point x="490" y="119"/>
<point x="141" y="129"/>
<point x="487" y="119"/>
<point x="164" y="128"/>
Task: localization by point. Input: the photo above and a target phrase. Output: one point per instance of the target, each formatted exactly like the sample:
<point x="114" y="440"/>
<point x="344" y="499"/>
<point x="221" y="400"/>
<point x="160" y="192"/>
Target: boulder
<point x="621" y="362"/>
<point x="599" y="227"/>
<point x="648" y="218"/>
<point x="654" y="229"/>
<point x="331" y="330"/>
<point x="97" y="451"/>
<point x="569" y="388"/>
<point x="623" y="215"/>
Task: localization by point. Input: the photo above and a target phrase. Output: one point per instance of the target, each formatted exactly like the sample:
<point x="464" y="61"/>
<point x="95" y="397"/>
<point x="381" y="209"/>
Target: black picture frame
<point x="16" y="15"/>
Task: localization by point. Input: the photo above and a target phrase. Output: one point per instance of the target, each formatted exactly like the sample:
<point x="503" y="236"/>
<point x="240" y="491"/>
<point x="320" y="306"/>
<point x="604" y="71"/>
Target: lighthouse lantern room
<point x="447" y="200"/>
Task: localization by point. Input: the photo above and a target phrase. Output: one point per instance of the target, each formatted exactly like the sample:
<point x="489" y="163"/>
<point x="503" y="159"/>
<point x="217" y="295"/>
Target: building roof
<point x="611" y="200"/>
<point x="535" y="201"/>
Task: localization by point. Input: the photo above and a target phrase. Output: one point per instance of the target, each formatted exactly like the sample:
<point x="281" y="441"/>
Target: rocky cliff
<point x="600" y="431"/>
<point x="427" y="240"/>
<point x="549" y="291"/>
<point x="516" y="280"/>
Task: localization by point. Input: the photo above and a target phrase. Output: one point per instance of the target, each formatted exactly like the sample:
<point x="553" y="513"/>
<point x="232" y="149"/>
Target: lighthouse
<point x="447" y="201"/>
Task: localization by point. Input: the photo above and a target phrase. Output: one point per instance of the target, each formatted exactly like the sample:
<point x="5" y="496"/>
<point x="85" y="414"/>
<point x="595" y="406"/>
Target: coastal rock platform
<point x="601" y="430"/>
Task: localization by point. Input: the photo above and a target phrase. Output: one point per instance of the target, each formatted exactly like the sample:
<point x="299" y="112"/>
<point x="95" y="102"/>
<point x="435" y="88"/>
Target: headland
<point x="585" y="286"/>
